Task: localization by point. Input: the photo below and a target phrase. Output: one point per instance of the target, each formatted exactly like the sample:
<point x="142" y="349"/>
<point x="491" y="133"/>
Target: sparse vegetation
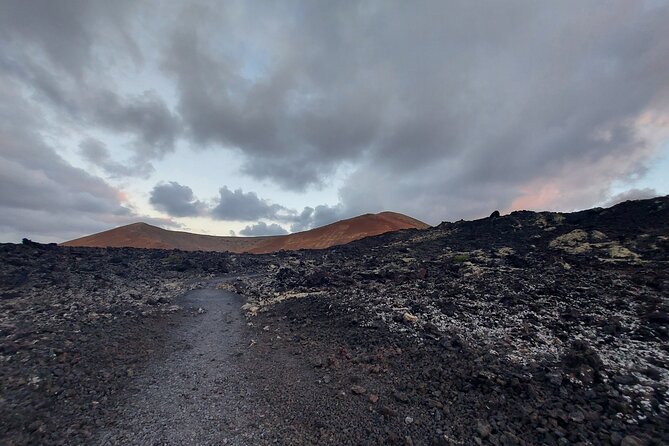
<point x="461" y="258"/>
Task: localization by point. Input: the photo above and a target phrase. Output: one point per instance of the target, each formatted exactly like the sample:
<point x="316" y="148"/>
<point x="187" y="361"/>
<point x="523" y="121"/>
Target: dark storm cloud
<point x="501" y="94"/>
<point x="316" y="217"/>
<point x="303" y="220"/>
<point x="34" y="174"/>
<point x="288" y="173"/>
<point x="59" y="49"/>
<point x="247" y="206"/>
<point x="262" y="228"/>
<point x="176" y="200"/>
<point x="42" y="196"/>
<point x="64" y="32"/>
<point x="96" y="153"/>
<point x="146" y="116"/>
<point x="238" y="205"/>
<point x="290" y="133"/>
<point x="439" y="109"/>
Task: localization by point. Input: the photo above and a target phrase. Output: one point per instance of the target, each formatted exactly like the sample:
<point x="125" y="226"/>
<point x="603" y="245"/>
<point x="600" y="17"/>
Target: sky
<point x="255" y="117"/>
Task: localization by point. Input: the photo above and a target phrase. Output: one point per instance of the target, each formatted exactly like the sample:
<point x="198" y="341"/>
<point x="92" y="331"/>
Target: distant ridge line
<point x="144" y="235"/>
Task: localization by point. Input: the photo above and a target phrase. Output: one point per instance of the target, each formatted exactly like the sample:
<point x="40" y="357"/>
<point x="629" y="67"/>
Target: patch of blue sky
<point x="656" y="177"/>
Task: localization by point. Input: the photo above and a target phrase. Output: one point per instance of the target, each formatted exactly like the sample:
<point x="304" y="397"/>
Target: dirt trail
<point x="198" y="394"/>
<point x="226" y="383"/>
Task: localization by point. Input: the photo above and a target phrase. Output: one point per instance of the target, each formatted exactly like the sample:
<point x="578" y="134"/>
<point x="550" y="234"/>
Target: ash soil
<point x="198" y="394"/>
<point x="218" y="386"/>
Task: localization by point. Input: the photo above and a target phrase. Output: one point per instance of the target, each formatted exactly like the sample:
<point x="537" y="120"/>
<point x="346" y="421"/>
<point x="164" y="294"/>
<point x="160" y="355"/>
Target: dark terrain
<point x="530" y="328"/>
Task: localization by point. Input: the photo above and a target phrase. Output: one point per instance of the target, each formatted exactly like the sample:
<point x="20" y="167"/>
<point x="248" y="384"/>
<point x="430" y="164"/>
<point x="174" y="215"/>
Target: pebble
<point x="387" y="411"/>
<point x="631" y="440"/>
<point x="577" y="416"/>
<point x="358" y="390"/>
<point x="483" y="429"/>
<point x="410" y="318"/>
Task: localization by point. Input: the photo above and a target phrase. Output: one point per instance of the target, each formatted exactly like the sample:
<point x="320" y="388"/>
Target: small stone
<point x="410" y="318"/>
<point x="327" y="379"/>
<point x="251" y="308"/>
<point x="401" y="397"/>
<point x="616" y="439"/>
<point x="577" y="416"/>
<point x="408" y="420"/>
<point x="631" y="440"/>
<point x="387" y="411"/>
<point x="554" y="378"/>
<point x="483" y="429"/>
<point x="626" y="380"/>
<point x="358" y="390"/>
<point x="373" y="398"/>
<point x="266" y="328"/>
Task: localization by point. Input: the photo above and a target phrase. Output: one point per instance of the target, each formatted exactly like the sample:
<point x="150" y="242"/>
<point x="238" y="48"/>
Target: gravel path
<point x="197" y="395"/>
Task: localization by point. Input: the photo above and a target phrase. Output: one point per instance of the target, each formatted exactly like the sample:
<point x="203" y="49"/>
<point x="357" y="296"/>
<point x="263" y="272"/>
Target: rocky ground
<point x="524" y="329"/>
<point x="76" y="324"/>
<point x="531" y="328"/>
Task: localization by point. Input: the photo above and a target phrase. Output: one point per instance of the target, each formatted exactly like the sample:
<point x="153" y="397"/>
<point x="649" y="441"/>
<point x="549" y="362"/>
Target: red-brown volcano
<point x="142" y="235"/>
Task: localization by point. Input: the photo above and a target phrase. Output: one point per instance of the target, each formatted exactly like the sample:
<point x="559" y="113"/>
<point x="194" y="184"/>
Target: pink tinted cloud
<point x="583" y="183"/>
<point x="537" y="196"/>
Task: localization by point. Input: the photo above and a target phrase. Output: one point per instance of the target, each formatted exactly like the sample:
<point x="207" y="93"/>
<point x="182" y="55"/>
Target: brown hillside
<point x="142" y="235"/>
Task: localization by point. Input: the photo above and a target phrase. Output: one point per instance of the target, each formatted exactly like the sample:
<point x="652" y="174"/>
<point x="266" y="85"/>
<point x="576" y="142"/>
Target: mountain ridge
<point x="144" y="235"/>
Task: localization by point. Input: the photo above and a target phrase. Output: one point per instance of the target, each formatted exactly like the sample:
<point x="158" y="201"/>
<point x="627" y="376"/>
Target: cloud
<point x="303" y="221"/>
<point x="96" y="153"/>
<point x="262" y="228"/>
<point x="316" y="217"/>
<point x="238" y="205"/>
<point x="179" y="201"/>
<point x="247" y="206"/>
<point x="176" y="200"/>
<point x="632" y="194"/>
<point x="65" y="33"/>
<point x="445" y="111"/>
<point x="42" y="196"/>
<point x="501" y="95"/>
<point x="146" y="116"/>
<point x="54" y="50"/>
